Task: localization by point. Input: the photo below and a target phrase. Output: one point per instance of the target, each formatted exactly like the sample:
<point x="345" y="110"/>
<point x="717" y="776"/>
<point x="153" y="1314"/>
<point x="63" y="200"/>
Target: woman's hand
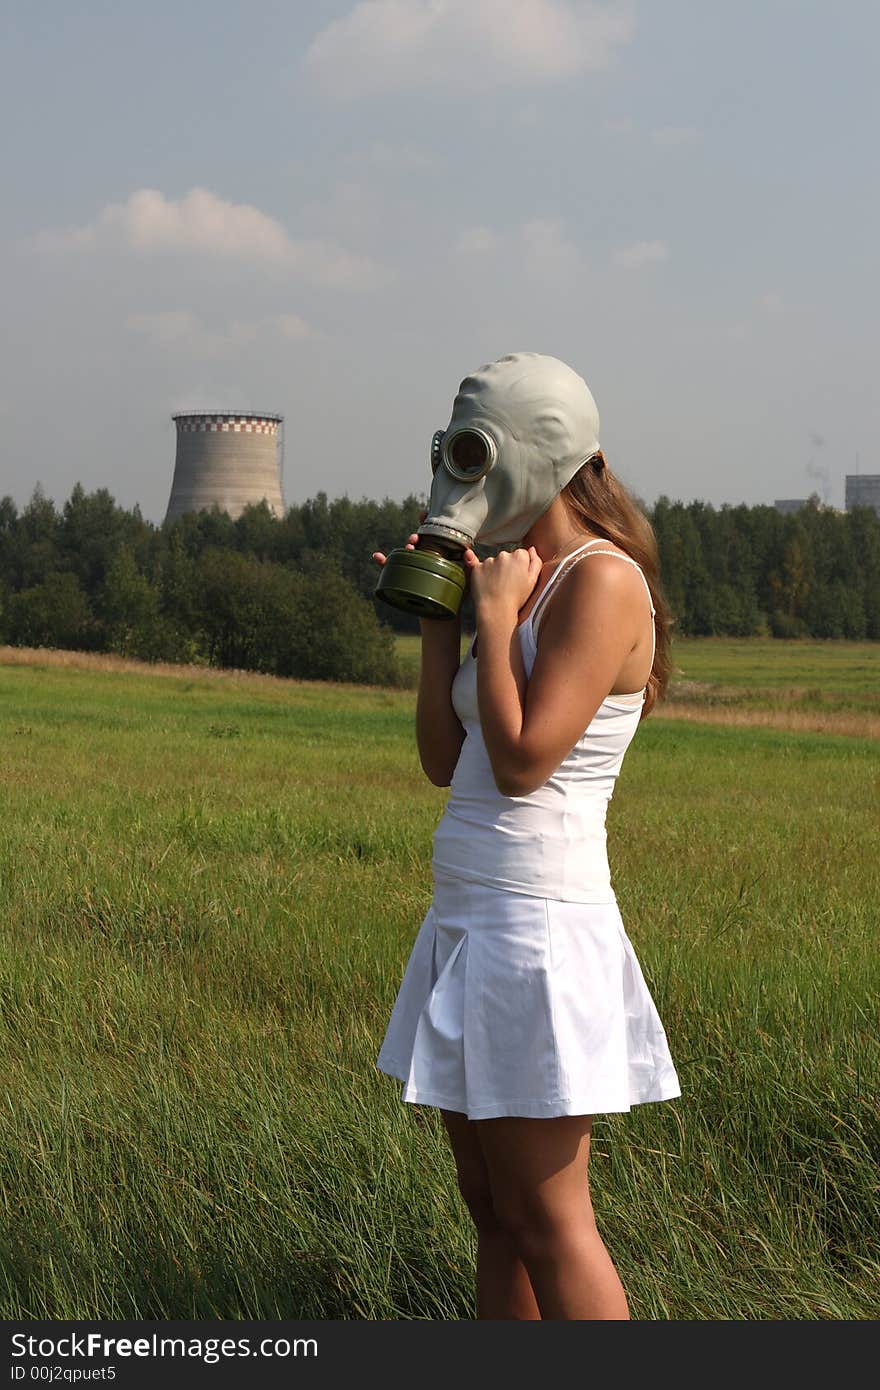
<point x="504" y="581"/>
<point x="380" y="557"/>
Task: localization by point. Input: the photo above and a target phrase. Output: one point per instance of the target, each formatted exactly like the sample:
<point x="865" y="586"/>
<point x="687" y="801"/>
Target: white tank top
<point x="551" y="842"/>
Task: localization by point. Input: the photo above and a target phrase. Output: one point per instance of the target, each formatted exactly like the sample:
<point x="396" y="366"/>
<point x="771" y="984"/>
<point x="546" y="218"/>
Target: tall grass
<point x="208" y="889"/>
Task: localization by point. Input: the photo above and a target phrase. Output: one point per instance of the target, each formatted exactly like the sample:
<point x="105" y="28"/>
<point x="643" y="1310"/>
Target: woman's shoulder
<point x="595" y="581"/>
<point x="603" y="560"/>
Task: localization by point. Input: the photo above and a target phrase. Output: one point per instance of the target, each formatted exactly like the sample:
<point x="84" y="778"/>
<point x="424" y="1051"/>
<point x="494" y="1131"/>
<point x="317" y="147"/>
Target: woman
<point x="523" y="1010"/>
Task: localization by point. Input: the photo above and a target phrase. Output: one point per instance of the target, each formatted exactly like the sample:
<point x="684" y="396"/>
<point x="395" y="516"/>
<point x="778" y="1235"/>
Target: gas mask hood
<point x="521" y="428"/>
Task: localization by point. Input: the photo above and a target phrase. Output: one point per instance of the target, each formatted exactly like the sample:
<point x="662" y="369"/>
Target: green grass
<point x="760" y="671"/>
<point x="209" y="886"/>
<point x="825" y="679"/>
<point x="842" y="667"/>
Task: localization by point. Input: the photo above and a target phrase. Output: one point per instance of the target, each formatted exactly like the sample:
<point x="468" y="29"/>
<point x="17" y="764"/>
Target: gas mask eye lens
<point x="468" y="454"/>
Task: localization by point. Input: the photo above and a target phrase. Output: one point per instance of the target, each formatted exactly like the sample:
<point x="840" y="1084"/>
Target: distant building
<point x="789" y="504"/>
<point x="228" y="458"/>
<point x="863" y="490"/>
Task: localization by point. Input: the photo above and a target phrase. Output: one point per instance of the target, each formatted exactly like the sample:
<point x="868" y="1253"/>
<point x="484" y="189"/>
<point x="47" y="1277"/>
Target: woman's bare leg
<point x="540" y="1196"/>
<point x="503" y="1287"/>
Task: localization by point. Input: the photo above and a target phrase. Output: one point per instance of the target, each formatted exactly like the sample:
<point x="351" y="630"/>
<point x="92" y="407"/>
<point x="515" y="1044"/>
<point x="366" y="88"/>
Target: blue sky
<point x="337" y="210"/>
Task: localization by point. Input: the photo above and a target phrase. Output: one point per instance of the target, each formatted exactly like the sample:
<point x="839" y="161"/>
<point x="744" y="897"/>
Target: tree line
<point x="293" y="596"/>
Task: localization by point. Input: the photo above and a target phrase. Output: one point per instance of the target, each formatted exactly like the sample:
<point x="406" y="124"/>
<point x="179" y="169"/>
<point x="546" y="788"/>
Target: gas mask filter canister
<point x="521" y="428"/>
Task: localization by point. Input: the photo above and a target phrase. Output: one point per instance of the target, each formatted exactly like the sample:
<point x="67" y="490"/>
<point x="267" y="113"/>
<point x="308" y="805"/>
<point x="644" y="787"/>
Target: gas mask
<point x="521" y="428"/>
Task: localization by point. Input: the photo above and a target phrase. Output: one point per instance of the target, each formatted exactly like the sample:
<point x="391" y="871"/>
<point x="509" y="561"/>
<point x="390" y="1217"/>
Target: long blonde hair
<point x="597" y="500"/>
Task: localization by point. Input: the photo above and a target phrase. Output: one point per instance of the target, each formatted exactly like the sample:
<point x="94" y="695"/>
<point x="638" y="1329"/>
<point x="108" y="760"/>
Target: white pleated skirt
<point x="518" y="1005"/>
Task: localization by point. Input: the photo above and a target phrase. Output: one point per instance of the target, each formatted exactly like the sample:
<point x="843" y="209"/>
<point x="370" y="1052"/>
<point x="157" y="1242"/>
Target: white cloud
<point x="476" y="241"/>
<point x="541" y="248"/>
<point x="399" y="159"/>
<point x="292" y="326"/>
<point x="619" y="125"/>
<point x="641" y="253"/>
<point x="671" y="136"/>
<point x="387" y="45"/>
<point x="148" y="222"/>
<point x="209" y="395"/>
<point x="178" y="330"/>
<point x="202" y="224"/>
<point x="772" y="303"/>
<point x="165" y="328"/>
<point x="549" y="250"/>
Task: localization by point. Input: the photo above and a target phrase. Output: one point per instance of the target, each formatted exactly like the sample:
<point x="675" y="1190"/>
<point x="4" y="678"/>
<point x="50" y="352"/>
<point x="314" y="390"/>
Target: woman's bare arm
<point x="439" y="733"/>
<point x="586" y="634"/>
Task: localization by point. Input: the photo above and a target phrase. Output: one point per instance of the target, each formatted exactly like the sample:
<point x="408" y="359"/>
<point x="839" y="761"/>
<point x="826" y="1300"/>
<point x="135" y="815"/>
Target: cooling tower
<point x="226" y="457"/>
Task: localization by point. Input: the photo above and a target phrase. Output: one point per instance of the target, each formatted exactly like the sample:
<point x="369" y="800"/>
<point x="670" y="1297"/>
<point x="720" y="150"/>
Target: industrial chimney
<point x="227" y="457"/>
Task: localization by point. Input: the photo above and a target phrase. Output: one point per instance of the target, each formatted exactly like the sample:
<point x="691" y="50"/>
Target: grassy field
<point x="813" y="687"/>
<point x="209" y="885"/>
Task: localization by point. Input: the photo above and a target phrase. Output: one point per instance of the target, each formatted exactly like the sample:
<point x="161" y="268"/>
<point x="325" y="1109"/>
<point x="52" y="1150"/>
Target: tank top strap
<point x="557" y="574"/>
<point x="583" y="552"/>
